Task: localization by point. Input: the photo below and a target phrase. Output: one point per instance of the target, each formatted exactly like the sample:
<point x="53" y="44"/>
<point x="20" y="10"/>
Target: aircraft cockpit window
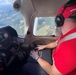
<point x="44" y="26"/>
<point x="8" y="17"/>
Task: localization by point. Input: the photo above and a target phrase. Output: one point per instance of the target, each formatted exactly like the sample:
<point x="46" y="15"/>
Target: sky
<point x="5" y="2"/>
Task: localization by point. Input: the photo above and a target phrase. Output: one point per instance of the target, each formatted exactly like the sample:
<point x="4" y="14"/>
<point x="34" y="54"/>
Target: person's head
<point x="66" y="14"/>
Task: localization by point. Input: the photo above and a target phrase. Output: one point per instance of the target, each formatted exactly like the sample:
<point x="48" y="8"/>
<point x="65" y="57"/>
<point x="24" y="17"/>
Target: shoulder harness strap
<point x="68" y="37"/>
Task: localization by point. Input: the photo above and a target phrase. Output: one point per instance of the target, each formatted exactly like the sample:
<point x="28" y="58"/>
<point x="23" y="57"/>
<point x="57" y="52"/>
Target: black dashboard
<point x="6" y="36"/>
<point x="9" y="49"/>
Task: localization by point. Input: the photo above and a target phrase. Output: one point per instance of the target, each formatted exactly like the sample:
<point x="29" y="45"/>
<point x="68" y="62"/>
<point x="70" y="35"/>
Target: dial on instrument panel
<point x="4" y="39"/>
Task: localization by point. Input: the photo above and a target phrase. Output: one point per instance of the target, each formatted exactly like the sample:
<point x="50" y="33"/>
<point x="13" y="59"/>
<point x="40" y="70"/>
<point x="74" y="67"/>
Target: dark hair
<point x="73" y="16"/>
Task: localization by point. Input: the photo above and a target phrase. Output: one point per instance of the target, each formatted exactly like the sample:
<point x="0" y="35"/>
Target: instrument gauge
<point x="5" y="35"/>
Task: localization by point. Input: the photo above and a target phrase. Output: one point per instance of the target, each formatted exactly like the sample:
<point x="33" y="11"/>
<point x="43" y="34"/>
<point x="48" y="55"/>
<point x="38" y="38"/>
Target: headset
<point x="59" y="19"/>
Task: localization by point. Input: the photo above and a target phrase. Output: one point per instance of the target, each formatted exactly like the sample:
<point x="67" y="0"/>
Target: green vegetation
<point x="8" y="17"/>
<point x="41" y="31"/>
<point x="46" y="26"/>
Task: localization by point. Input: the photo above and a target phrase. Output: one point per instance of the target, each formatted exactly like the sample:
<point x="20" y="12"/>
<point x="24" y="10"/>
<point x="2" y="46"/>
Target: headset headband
<point x="71" y="2"/>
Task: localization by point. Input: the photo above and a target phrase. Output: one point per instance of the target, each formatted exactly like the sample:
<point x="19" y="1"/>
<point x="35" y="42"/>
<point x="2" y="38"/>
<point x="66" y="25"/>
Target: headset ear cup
<point x="59" y="20"/>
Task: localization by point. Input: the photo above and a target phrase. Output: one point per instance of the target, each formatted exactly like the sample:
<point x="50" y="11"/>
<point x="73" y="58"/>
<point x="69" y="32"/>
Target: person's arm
<point x="50" y="69"/>
<point x="51" y="45"/>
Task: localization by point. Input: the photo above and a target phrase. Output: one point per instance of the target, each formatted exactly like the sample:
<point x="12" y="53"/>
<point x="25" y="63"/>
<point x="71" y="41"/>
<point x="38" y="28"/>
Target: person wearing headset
<point x="64" y="56"/>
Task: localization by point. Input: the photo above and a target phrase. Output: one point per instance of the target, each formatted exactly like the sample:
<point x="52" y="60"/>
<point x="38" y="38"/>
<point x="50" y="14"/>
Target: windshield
<point x="8" y="17"/>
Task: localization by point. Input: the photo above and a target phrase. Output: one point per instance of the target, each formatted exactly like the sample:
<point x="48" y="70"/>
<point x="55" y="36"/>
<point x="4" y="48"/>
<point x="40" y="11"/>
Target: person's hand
<point x="34" y="54"/>
<point x="41" y="47"/>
